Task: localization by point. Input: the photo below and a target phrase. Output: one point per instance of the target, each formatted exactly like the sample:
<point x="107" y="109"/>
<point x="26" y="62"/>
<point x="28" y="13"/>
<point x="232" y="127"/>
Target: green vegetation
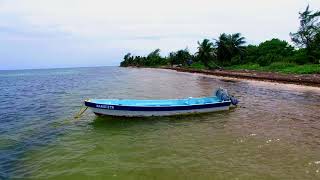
<point x="308" y="35"/>
<point x="229" y="51"/>
<point x="281" y="67"/>
<point x="182" y="57"/>
<point x="205" y="53"/>
<point x="152" y="60"/>
<point x="197" y="65"/>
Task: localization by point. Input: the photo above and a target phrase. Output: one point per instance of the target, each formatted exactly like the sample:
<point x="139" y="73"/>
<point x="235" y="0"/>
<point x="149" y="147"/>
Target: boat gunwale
<point x="176" y="105"/>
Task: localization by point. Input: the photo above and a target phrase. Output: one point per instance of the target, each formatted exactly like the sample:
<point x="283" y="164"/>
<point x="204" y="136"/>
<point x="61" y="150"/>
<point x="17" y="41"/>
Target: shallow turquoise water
<point x="274" y="134"/>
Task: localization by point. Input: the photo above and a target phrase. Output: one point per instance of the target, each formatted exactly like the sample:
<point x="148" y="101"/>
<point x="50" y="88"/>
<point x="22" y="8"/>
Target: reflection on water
<point x="273" y="134"/>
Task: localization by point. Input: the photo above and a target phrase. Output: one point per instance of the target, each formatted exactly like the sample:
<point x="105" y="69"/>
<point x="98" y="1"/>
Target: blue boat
<point x="143" y="108"/>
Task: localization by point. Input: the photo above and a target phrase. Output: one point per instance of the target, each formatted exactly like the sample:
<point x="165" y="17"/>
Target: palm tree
<point x="228" y="46"/>
<point x="205" y="52"/>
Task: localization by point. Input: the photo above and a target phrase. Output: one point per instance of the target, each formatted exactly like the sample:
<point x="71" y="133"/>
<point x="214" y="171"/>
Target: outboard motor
<point x="234" y="100"/>
<point x="223" y="95"/>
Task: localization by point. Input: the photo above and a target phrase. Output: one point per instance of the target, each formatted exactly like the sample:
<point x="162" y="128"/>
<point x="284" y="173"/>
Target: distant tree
<point x="154" y="54"/>
<point x="126" y="60"/>
<point x="316" y="47"/>
<point x="251" y="54"/>
<point x="308" y="33"/>
<point x="268" y="52"/>
<point x="127" y="56"/>
<point x="205" y="52"/>
<point x="229" y="46"/>
<point x="182" y="57"/>
<point x="155" y="59"/>
<point x="172" y="58"/>
<point x="276" y="46"/>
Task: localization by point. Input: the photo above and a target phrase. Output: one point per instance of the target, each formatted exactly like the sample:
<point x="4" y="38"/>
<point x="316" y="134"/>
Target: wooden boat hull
<point x="136" y="111"/>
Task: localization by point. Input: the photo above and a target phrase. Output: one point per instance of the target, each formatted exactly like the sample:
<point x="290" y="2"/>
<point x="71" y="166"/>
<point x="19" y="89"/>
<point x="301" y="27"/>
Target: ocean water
<point x="273" y="134"/>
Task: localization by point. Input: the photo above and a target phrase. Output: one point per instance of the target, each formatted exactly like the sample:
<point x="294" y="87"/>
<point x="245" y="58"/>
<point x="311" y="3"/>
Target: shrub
<point x="300" y="57"/>
<point x="276" y="66"/>
<point x="236" y="60"/>
<point x="268" y="59"/>
<point x="198" y="65"/>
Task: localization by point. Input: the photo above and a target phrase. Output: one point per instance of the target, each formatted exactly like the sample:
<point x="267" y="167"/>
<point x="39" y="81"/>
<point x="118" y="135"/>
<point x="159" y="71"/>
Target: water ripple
<point x="274" y="134"/>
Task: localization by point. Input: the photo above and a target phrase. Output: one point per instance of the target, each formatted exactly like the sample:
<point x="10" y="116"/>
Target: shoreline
<point x="304" y="79"/>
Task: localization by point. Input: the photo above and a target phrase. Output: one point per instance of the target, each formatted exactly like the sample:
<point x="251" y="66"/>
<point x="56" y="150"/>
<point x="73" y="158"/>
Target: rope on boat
<point x="80" y="113"/>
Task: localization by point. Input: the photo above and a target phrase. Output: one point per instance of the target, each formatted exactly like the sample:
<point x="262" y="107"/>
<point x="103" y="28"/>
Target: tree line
<point x="230" y="49"/>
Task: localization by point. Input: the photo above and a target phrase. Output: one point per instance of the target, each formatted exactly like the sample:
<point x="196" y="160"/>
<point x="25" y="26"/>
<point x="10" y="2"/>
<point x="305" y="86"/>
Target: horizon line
<point x="67" y="67"/>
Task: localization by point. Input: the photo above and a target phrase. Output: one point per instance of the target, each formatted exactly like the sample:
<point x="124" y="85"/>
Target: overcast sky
<point x="73" y="33"/>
